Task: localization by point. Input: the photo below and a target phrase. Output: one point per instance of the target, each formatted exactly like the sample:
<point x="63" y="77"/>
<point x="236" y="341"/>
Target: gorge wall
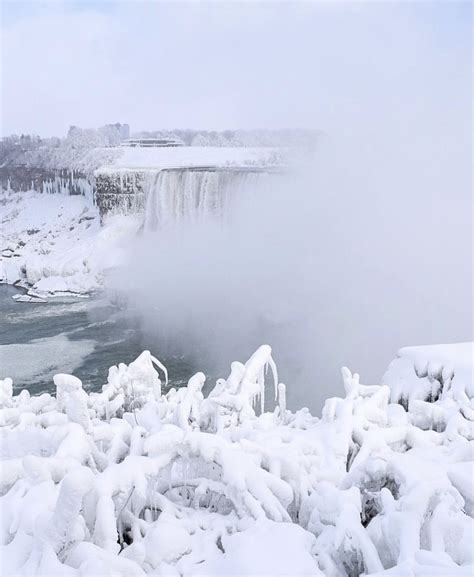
<point x="168" y="196"/>
<point x="120" y="192"/>
<point x="46" y="180"/>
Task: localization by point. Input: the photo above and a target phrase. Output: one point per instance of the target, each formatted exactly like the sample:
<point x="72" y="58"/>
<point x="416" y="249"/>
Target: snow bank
<point x="54" y="245"/>
<point x="135" y="480"/>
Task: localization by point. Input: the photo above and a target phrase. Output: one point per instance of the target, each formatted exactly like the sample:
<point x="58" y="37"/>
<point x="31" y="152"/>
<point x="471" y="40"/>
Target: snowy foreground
<point x="53" y="245"/>
<point x="133" y="480"/>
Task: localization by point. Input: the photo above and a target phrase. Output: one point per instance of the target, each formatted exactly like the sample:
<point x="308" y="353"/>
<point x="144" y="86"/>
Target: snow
<point x="193" y="156"/>
<point x="436" y="370"/>
<point x="54" y="244"/>
<point x="265" y="549"/>
<point x="138" y="479"/>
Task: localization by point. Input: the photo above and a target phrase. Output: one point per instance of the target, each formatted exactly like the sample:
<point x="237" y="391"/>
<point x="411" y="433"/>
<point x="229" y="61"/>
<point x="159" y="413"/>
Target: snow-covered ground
<point x="54" y="245"/>
<point x="193" y="156"/>
<point x="138" y="479"/>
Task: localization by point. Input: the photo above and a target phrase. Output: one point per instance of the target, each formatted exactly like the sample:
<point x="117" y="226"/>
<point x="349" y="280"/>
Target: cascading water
<point x="190" y="195"/>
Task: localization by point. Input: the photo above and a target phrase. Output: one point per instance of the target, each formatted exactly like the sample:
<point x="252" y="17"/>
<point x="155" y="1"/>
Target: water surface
<point x="84" y="337"/>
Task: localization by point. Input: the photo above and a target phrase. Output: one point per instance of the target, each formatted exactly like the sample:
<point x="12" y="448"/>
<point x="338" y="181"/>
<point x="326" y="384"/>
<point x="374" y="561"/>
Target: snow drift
<point x="139" y="479"/>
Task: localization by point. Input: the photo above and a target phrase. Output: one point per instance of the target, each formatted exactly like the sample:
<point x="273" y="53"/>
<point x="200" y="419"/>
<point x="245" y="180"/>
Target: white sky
<point x="224" y="65"/>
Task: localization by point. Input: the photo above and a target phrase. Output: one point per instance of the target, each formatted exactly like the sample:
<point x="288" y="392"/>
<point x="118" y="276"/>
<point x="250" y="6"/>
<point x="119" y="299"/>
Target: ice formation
<point x="139" y="479"/>
<point x="61" y="185"/>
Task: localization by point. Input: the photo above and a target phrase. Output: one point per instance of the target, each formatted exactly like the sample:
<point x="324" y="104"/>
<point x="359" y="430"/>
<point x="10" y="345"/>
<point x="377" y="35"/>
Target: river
<point x="83" y="337"/>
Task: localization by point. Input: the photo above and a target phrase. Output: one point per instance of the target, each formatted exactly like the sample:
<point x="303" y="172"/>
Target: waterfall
<point x="190" y="195"/>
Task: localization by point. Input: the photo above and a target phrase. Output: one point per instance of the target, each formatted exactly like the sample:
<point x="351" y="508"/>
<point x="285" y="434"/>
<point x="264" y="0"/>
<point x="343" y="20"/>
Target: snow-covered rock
<point x="54" y="244"/>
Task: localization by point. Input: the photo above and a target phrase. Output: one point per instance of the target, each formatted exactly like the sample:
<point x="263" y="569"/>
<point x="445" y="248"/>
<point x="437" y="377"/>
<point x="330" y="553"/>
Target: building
<point x="152" y="142"/>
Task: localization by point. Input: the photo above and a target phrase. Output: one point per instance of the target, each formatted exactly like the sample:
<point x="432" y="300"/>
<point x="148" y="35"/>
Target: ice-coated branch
<point x="136" y="480"/>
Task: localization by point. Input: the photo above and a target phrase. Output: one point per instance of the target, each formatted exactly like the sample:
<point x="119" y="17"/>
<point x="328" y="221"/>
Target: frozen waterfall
<point x="189" y="195"/>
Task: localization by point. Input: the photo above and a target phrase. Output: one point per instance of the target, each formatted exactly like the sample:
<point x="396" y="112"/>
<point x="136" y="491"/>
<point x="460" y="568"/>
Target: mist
<point x="363" y="250"/>
<point x="341" y="261"/>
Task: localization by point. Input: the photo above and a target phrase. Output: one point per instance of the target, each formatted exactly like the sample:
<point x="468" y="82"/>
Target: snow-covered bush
<point x="139" y="479"/>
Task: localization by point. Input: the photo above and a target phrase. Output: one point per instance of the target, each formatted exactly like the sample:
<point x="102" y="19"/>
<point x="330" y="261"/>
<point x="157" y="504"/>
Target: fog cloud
<point x="339" y="262"/>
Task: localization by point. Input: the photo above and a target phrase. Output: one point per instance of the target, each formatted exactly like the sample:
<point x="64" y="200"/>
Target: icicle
<point x="161" y="366"/>
<point x="273" y="367"/>
<point x="282" y="398"/>
<point x="261" y="384"/>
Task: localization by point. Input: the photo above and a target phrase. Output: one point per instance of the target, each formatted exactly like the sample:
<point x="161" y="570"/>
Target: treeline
<point x="32" y="150"/>
<point x="29" y="149"/>
<point x="247" y="138"/>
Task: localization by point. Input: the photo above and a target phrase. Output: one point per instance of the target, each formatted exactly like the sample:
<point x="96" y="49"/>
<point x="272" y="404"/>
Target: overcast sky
<point x="223" y="65"/>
